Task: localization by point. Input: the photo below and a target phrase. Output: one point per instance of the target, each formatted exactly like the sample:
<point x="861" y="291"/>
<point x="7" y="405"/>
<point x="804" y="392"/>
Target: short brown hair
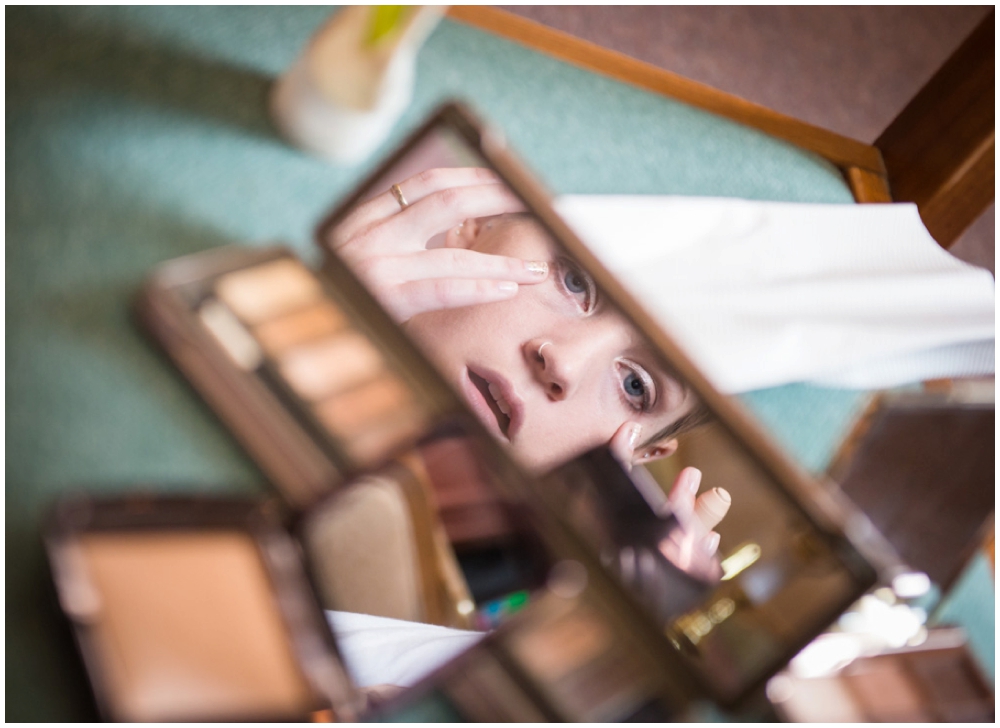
<point x="698" y="416"/>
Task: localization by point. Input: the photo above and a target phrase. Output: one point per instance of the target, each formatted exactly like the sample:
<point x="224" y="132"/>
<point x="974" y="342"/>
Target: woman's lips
<point x="494" y="400"/>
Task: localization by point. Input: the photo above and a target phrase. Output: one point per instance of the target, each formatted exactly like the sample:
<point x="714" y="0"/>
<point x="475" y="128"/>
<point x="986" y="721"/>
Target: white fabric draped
<point x="767" y="293"/>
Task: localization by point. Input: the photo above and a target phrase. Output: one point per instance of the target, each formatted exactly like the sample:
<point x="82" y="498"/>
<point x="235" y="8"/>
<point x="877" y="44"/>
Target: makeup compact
<point x="412" y="501"/>
<point x="193" y="609"/>
<point x="897" y="458"/>
<point x="936" y="681"/>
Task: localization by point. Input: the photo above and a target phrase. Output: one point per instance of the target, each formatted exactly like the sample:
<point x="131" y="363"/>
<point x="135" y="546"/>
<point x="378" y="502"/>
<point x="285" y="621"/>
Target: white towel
<point x="766" y="293"/>
<point x="384" y="651"/>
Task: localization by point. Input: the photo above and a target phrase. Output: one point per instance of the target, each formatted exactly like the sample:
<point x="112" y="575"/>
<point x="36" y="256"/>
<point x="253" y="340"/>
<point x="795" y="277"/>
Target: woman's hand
<point x="386" y="243"/>
<point x="696" y="514"/>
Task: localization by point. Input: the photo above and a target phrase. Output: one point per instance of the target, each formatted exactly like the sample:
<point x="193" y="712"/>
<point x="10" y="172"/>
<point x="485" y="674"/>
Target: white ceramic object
<point x="342" y="97"/>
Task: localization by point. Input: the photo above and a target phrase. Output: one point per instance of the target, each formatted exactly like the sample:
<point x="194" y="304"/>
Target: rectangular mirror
<point x="559" y="364"/>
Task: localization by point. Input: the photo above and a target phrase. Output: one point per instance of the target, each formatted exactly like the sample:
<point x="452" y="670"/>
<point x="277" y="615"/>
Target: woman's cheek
<point x="552" y="443"/>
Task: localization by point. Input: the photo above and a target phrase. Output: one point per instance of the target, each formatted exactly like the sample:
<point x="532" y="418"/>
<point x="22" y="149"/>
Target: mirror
<point x="560" y="366"/>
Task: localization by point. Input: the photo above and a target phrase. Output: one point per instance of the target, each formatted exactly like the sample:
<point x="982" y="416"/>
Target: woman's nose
<point x="549" y="368"/>
<point x="560" y="365"/>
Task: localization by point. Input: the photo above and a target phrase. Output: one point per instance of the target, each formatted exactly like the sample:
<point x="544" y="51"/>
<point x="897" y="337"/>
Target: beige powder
<point x="301" y="327"/>
<point x="188" y="628"/>
<point x="269" y="290"/>
<point x="319" y="370"/>
<point x="377" y="441"/>
<point x="347" y="413"/>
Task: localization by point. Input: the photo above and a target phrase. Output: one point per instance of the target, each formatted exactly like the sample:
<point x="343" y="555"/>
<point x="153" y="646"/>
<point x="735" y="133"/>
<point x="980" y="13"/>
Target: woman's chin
<point x="534" y="461"/>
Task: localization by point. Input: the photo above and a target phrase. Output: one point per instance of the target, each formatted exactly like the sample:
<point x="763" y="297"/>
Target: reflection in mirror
<point x="773" y="578"/>
<point x="515" y="324"/>
<point x="716" y="550"/>
<point x="379" y="545"/>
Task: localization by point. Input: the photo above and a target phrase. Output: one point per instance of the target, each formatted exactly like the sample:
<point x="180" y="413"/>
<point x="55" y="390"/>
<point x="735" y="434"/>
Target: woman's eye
<point x="634" y="385"/>
<point x="579" y="286"/>
<point x="637" y="386"/>
<point x="575" y="282"/>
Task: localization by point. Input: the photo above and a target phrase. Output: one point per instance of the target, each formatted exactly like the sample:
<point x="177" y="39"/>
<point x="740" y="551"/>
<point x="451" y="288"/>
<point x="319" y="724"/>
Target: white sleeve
<point x="767" y="293"/>
<point x="380" y="650"/>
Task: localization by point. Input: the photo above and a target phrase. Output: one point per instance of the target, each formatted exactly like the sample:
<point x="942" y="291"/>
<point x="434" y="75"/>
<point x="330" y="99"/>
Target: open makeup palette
<point x="403" y="501"/>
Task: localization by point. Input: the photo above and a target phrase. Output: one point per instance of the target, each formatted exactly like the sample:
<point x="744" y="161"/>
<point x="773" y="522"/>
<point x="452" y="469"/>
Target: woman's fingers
<point x="385" y="204"/>
<point x="682" y="496"/>
<point x="711" y="507"/>
<point x="454" y="263"/>
<point x="624" y="442"/>
<point x="409" y="299"/>
<point x="443" y="278"/>
<point x="710" y="543"/>
<point x="437" y="213"/>
<point x="697" y="516"/>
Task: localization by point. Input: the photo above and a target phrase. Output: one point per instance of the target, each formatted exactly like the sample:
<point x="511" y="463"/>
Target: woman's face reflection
<point x="555" y="370"/>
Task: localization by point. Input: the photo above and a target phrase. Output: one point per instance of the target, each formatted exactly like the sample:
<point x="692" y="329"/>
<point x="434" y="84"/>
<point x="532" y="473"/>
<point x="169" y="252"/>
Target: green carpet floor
<point x="135" y="135"/>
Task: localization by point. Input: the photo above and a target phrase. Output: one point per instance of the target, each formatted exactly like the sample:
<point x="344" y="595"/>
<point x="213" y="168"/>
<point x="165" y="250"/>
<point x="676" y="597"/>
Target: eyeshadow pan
<point x="300" y="327"/>
<point x="332" y="365"/>
<point x="188" y="628"/>
<point x="376" y="441"/>
<point x="269" y="290"/>
<point x="562" y="646"/>
<point x="346" y="413"/>
<point x="231" y="335"/>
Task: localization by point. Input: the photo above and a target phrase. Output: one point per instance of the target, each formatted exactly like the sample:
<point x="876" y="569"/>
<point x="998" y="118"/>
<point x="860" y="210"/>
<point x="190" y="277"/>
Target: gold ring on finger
<point x="398" y="194"/>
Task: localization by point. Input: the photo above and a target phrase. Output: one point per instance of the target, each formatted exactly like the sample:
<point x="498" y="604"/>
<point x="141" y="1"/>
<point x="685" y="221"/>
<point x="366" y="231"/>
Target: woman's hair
<point x="698" y="416"/>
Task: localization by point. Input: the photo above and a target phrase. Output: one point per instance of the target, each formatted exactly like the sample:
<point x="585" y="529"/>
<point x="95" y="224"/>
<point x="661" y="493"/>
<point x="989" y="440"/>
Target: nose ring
<point x="541" y="357"/>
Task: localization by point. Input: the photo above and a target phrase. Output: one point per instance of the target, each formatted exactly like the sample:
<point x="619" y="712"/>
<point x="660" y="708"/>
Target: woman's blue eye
<point x="637" y="386"/>
<point x="578" y="285"/>
<point x="634" y="386"/>
<point x="575" y="282"/>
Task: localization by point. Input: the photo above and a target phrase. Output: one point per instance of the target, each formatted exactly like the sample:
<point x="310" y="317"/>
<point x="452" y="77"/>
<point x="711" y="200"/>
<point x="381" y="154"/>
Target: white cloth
<point x="380" y="650"/>
<point x="767" y="293"/>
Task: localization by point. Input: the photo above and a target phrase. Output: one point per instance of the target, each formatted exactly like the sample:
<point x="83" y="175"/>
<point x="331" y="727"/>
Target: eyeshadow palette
<point x="313" y="391"/>
<point x="573" y="656"/>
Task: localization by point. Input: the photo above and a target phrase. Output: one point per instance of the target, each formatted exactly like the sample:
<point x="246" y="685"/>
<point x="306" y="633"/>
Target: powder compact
<point x="193" y="609"/>
<point x="403" y="503"/>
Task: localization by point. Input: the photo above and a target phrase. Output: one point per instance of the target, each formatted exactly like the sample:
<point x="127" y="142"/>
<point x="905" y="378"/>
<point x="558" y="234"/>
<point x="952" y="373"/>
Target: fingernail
<point x="723" y="494"/>
<point x="539" y="267"/>
<point x="711" y="542"/>
<point x="633" y="437"/>
<point x="507" y="287"/>
<point x="693" y="480"/>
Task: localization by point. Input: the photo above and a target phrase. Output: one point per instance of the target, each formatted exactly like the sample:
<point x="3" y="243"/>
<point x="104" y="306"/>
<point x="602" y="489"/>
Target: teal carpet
<point x="135" y="135"/>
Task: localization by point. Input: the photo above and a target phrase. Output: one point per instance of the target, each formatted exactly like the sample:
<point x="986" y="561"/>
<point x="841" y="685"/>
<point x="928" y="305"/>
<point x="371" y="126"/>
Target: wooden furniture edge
<point x="939" y="150"/>
<point x="867" y="186"/>
<point x="860" y="163"/>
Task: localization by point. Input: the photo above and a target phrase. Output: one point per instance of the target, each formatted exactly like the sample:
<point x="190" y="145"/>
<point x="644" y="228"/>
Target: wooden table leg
<point x="939" y="151"/>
